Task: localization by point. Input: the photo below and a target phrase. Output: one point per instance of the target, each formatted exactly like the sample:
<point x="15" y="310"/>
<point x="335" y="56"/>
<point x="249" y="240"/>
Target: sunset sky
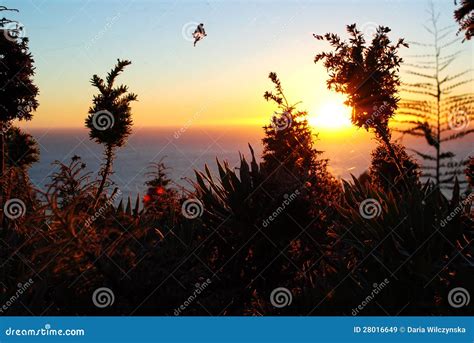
<point x="221" y="81"/>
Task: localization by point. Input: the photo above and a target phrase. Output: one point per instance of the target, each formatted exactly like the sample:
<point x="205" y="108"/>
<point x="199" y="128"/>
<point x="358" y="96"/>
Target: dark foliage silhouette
<point x="368" y="76"/>
<point x="110" y="118"/>
<point x="470" y="171"/>
<point x="409" y="242"/>
<point x="256" y="227"/>
<point x="18" y="92"/>
<point x="464" y="15"/>
<point x="22" y="149"/>
<point x="384" y="173"/>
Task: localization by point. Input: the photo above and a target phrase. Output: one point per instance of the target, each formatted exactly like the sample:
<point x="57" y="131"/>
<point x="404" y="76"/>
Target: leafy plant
<point x="368" y="76"/>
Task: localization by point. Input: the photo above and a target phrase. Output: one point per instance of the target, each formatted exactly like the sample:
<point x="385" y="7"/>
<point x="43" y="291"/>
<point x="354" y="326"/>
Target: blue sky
<point x="222" y="79"/>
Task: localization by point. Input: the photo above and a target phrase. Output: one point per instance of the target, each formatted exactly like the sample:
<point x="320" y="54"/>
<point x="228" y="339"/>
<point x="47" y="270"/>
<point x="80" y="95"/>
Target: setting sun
<point x="331" y="116"/>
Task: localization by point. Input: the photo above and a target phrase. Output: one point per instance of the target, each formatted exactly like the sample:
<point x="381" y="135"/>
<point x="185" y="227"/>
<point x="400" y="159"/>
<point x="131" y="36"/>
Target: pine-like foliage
<point x="292" y="161"/>
<point x="110" y="118"/>
<point x="23" y="150"/>
<point x="432" y="108"/>
<point x="18" y="92"/>
<point x="289" y="155"/>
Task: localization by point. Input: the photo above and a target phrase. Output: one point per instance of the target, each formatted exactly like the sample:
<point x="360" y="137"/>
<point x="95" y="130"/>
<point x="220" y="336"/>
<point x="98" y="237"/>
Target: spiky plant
<point x="110" y="117"/>
<point x="263" y="212"/>
<point x="71" y="183"/>
<point x="432" y="107"/>
<point x="368" y="75"/>
<point x="422" y="244"/>
<point x="464" y="15"/>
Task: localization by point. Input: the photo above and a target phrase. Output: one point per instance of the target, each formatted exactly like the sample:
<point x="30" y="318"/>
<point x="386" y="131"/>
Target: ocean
<point x="184" y="150"/>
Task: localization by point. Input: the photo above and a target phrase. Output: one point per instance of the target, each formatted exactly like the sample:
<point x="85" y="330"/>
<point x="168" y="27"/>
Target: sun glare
<point x="331" y="116"/>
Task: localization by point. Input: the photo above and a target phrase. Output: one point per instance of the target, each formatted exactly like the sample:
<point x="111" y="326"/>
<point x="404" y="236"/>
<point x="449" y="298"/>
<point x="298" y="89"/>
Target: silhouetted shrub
<point x="384" y="172"/>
